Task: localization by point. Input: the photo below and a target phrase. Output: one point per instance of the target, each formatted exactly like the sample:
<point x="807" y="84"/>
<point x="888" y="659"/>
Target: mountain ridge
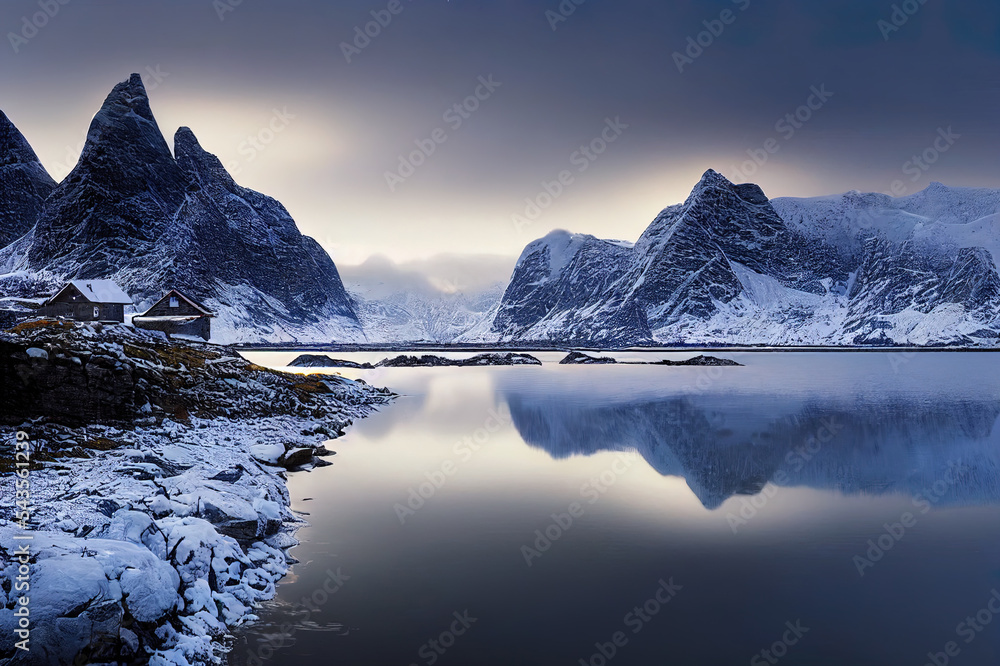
<point x="132" y="211"/>
<point x="730" y="266"/>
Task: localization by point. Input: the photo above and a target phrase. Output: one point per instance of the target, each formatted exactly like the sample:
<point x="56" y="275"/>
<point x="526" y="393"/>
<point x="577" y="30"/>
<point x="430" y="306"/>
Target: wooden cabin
<point x="88" y="300"/>
<point x="176" y="314"/>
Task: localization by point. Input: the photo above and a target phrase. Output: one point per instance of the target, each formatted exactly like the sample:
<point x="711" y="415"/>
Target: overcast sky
<point x="234" y="71"/>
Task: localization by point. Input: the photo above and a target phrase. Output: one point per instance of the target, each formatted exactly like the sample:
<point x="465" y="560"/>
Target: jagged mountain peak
<point x="729" y="265"/>
<point x="712" y="180"/>
<point x="130" y="93"/>
<point x="560" y="247"/>
<point x="24" y="183"/>
<point x="132" y="212"/>
<point x="197" y="163"/>
<point x="184" y="139"/>
<point x="124" y="132"/>
<point x="126" y="98"/>
<point x="14" y="148"/>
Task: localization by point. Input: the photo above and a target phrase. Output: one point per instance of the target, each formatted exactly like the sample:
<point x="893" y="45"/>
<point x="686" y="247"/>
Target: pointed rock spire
<point x="199" y="165"/>
<point x="130" y="210"/>
<point x="126" y="187"/>
<point x="24" y="183"/>
<point x="712" y="178"/>
<point x="14" y="148"/>
<point x="243" y="232"/>
<point x="124" y="137"/>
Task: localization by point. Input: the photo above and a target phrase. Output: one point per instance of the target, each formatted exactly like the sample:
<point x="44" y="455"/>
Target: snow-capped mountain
<point x="24" y="183"/>
<point x="564" y="286"/>
<point x="728" y="266"/>
<point x="151" y="220"/>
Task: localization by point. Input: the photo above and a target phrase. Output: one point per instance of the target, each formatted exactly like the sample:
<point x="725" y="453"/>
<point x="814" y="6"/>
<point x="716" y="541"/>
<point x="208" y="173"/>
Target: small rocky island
<point x="159" y="514"/>
<point x="324" y="361"/>
<point x="579" y="358"/>
<point x="425" y="361"/>
<point x="492" y="358"/>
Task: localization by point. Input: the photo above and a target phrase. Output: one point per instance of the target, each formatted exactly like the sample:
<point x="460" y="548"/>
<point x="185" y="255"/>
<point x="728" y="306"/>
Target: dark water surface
<point x="831" y="509"/>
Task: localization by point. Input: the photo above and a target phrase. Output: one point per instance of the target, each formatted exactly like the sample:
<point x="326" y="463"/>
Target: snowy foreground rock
<point x="160" y="514"/>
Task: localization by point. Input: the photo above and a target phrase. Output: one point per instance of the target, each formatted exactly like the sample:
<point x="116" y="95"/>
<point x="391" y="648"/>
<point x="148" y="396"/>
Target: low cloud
<point x="379" y="277"/>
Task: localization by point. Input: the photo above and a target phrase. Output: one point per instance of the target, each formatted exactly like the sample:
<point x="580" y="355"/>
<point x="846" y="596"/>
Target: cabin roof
<point x="97" y="291"/>
<point x="193" y="303"/>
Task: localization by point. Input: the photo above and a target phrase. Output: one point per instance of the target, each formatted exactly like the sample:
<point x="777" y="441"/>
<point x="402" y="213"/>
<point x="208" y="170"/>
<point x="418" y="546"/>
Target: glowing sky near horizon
<point x="228" y="75"/>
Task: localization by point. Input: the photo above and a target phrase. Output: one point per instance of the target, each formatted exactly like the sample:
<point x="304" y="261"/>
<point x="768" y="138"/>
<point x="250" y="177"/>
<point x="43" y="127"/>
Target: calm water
<point x="831" y="509"/>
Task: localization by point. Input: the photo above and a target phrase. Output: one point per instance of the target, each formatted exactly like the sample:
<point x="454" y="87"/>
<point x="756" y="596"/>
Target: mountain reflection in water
<point x="735" y="444"/>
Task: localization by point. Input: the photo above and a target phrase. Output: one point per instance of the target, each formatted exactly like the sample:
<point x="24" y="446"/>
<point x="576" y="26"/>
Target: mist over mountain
<point x="431" y="300"/>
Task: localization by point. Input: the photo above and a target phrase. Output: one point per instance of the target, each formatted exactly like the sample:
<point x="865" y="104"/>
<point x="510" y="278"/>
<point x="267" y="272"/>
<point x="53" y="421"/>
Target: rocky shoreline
<point x="159" y="514"/>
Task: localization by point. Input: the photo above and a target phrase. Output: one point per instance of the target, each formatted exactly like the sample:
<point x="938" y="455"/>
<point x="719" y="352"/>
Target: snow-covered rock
<point x="423" y="315"/>
<point x="85" y="588"/>
<point x="156" y="531"/>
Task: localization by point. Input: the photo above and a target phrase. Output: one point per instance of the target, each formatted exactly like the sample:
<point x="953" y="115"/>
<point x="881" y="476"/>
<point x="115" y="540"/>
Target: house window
<point x="174" y="302"/>
<point x="97" y="312"/>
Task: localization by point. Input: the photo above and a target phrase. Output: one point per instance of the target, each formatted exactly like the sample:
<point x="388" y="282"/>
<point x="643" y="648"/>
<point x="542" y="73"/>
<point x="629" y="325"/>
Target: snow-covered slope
<point x="564" y="288"/>
<point x="731" y="267"/>
<point x="133" y="212"/>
